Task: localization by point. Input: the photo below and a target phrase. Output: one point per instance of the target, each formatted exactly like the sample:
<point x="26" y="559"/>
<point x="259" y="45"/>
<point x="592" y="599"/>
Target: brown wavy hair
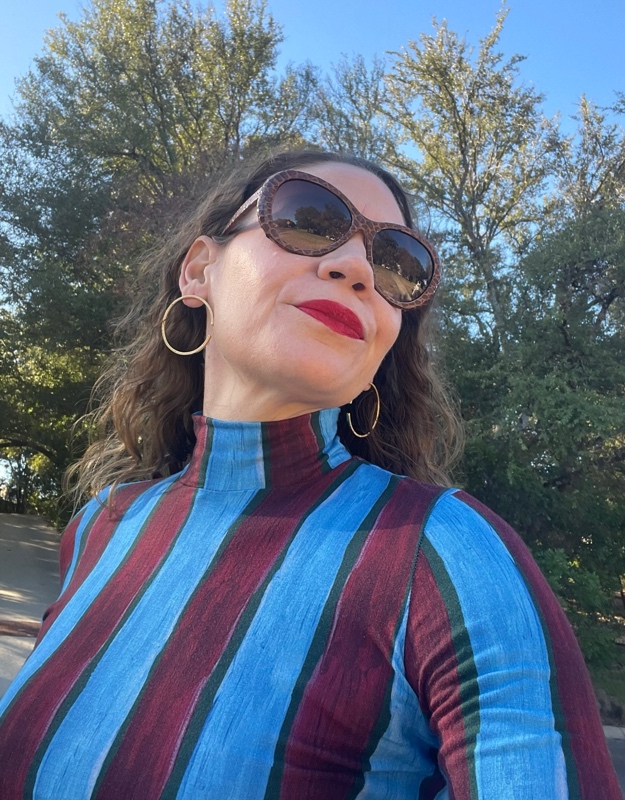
<point x="147" y="395"/>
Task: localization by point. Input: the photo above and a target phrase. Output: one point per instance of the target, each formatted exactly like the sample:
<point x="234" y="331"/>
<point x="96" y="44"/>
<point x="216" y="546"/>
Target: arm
<point x="497" y="669"/>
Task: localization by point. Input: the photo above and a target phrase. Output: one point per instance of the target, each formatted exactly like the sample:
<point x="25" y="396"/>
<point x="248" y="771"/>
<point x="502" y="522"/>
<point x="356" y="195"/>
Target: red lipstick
<point x="336" y="316"/>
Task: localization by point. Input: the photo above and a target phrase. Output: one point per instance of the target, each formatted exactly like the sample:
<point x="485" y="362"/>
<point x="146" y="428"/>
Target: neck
<point x="237" y="400"/>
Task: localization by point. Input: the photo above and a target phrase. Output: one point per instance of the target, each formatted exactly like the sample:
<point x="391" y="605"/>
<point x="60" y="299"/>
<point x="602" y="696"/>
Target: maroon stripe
<point x="287" y="465"/>
<point x="580" y="726"/>
<point x="42" y="697"/>
<point x="145" y="758"/>
<point x="346" y="698"/>
<point x="432" y="671"/>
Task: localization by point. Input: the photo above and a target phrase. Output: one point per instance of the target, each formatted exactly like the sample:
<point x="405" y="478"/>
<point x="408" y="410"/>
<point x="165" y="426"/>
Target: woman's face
<point x="279" y="347"/>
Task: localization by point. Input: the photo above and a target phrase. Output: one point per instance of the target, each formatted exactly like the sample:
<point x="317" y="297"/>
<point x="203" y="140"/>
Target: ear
<point x="194" y="270"/>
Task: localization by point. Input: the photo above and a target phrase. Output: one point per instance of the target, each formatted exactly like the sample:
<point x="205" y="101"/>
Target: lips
<point x="335" y="316"/>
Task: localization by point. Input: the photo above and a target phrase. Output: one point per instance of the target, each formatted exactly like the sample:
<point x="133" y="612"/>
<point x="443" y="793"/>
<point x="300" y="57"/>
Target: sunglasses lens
<point x="402" y="266"/>
<point x="308" y="217"/>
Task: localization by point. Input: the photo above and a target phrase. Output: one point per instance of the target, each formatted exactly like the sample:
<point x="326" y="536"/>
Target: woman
<point x="271" y="616"/>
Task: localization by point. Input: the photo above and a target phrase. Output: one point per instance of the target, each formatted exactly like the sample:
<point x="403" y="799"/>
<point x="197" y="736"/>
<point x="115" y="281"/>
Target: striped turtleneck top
<point x="281" y="620"/>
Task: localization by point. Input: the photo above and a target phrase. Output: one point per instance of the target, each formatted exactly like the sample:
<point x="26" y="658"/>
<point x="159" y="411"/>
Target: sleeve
<point x="497" y="669"/>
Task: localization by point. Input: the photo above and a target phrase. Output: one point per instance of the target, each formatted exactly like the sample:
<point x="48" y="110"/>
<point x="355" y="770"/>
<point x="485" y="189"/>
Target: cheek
<point x="236" y="288"/>
<point x="389" y="327"/>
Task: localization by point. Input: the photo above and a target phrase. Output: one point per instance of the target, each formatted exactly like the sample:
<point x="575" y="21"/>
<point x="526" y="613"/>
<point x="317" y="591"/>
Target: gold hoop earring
<point x="166" y="314"/>
<point x="375" y="419"/>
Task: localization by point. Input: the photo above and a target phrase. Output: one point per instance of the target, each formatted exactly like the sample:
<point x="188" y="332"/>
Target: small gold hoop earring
<point x="166" y="314"/>
<point x="375" y="419"/>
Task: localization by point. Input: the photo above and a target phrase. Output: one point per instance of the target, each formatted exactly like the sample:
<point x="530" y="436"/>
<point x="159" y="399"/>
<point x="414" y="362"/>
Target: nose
<point x="349" y="263"/>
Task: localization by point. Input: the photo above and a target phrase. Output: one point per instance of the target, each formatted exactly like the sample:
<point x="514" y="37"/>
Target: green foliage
<point x="349" y="111"/>
<point x="484" y="154"/>
<point x="146" y="87"/>
<point x="585" y="601"/>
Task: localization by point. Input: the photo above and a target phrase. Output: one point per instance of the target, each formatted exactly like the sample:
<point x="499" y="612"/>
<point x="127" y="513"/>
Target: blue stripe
<point x="254" y="696"/>
<point x="243" y="470"/>
<point x="71" y="770"/>
<point x="123" y="538"/>
<point x="402" y="758"/>
<point x="518" y="748"/>
<point x="334" y="450"/>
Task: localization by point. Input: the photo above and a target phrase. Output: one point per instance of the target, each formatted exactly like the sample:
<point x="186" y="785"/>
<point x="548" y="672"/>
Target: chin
<point x="323" y="383"/>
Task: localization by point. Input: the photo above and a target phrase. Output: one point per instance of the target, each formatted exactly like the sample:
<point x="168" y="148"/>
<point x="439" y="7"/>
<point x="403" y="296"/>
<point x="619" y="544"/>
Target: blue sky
<point x="572" y="46"/>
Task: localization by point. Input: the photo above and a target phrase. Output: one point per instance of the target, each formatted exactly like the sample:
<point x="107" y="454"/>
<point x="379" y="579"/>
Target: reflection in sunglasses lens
<point x="403" y="266"/>
<point x="309" y="216"/>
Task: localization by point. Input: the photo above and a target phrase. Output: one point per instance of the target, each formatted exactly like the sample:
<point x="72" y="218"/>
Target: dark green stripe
<point x="207" y="697"/>
<point x="467" y="671"/>
<point x="85" y="534"/>
<point x="321" y="443"/>
<point x="66" y="705"/>
<point x="558" y="714"/>
<point x="321" y="635"/>
<point x="203" y="466"/>
<point x="83" y="539"/>
<point x="264" y="429"/>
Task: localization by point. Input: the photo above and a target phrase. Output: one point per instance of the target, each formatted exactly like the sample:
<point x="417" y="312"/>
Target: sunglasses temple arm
<point x="240" y="212"/>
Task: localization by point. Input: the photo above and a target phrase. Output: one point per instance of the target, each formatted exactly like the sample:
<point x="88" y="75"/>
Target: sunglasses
<point x="306" y="216"/>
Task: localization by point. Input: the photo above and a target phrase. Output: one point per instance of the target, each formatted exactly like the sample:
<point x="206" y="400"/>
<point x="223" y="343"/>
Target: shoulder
<point x="477" y="582"/>
<point x="94" y="524"/>
<point x="490" y="652"/>
<point x="471" y="543"/>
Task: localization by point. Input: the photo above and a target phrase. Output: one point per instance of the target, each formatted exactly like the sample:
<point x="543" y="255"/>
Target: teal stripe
<point x="393" y="711"/>
<point x="206" y="454"/>
<point x="207" y="699"/>
<point x="315" y="423"/>
<point x="89" y="516"/>
<point x="500" y="643"/>
<point x="249" y="509"/>
<point x="574" y="791"/>
<point x="124" y="538"/>
<point x="266" y="456"/>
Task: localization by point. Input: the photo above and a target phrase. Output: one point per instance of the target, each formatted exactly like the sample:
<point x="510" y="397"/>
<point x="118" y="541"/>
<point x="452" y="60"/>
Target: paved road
<point x="616" y="747"/>
<point x="29" y="583"/>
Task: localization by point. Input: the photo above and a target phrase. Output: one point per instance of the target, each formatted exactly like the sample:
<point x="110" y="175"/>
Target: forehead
<point x="367" y="192"/>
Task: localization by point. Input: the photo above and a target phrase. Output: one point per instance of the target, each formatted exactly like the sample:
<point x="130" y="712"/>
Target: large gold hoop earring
<point x="375" y="419"/>
<point x="166" y="314"/>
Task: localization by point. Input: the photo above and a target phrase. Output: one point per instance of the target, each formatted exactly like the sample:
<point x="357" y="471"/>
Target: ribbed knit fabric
<point x="281" y="620"/>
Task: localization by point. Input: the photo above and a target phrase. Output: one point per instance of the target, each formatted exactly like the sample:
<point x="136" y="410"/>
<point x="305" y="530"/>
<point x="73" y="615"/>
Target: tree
<point x="349" y="110"/>
<point x="147" y="88"/>
<point x="484" y="153"/>
<point x="548" y="449"/>
<point x="117" y="128"/>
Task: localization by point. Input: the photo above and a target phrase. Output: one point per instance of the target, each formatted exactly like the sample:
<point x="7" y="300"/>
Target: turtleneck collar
<point x="233" y="455"/>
